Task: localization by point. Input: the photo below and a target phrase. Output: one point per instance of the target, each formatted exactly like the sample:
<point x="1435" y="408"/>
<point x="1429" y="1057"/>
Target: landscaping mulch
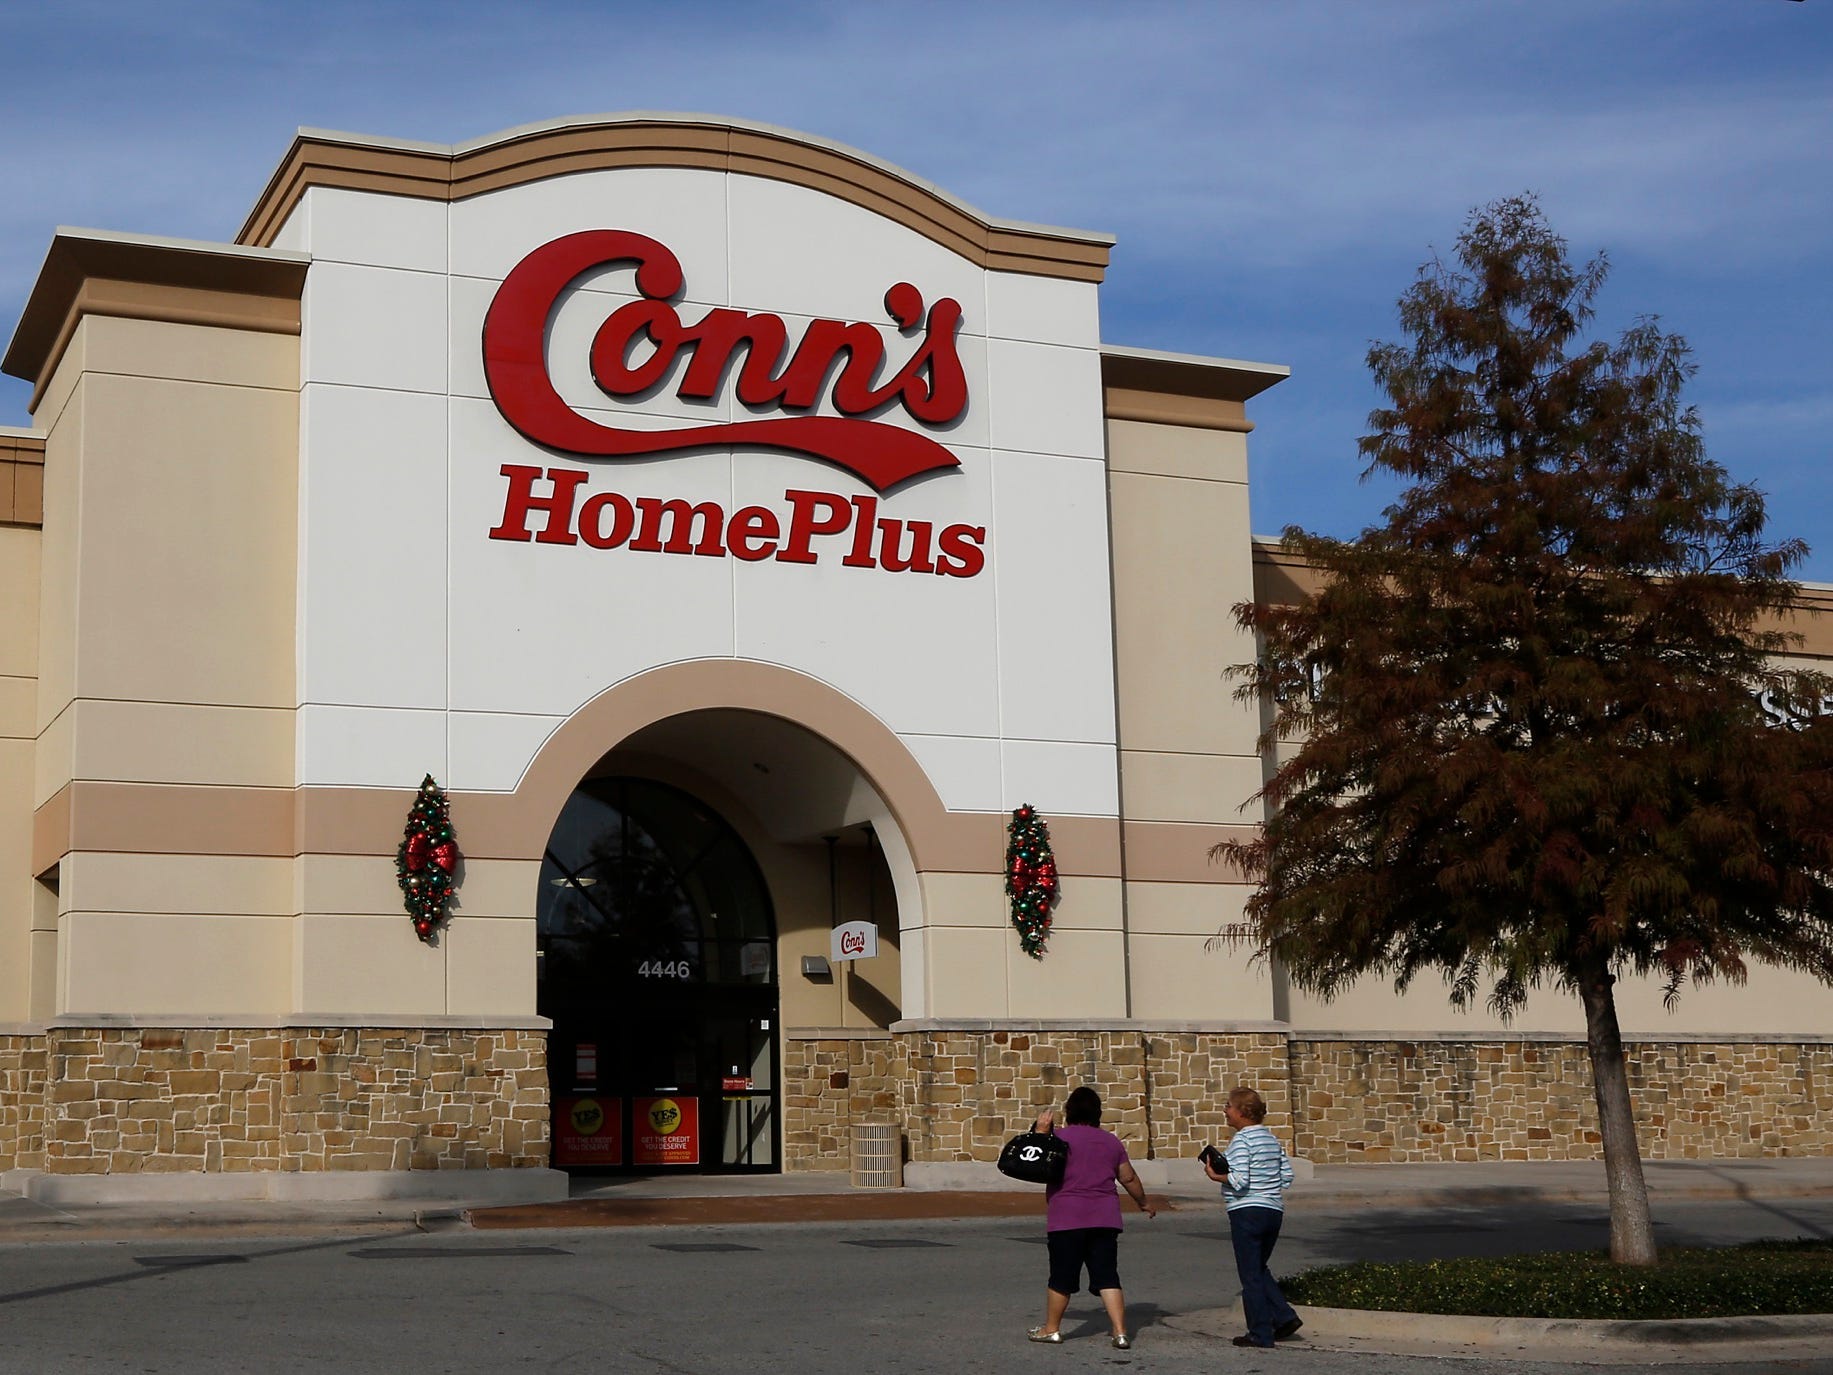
<point x="1764" y="1277"/>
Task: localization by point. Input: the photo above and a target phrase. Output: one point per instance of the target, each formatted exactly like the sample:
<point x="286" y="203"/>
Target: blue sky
<point x="1275" y="173"/>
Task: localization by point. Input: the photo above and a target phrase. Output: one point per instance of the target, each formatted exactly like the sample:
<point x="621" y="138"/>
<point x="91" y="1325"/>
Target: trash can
<point x="878" y="1156"/>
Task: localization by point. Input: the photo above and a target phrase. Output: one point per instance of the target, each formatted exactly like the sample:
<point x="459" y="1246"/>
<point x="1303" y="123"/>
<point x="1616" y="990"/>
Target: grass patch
<point x="1763" y="1277"/>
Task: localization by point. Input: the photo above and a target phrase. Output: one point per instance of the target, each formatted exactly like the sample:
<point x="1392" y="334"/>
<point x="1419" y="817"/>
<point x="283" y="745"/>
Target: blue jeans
<point x="1254" y="1232"/>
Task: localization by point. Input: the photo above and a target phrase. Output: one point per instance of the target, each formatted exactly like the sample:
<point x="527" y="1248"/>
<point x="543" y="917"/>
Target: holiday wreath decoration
<point x="1031" y="878"/>
<point x="427" y="862"/>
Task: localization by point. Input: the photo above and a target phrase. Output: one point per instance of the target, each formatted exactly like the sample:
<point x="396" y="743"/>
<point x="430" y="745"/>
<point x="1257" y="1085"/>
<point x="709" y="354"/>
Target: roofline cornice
<point x="452" y="172"/>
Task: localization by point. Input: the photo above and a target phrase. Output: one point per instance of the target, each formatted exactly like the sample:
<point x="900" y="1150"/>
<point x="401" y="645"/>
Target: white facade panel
<point x="1060" y="779"/>
<point x="367" y="747"/>
<point x="797" y="250"/>
<point x="682" y="208"/>
<point x="489" y="751"/>
<point x="294" y="236"/>
<point x="378" y="231"/>
<point x="374" y="327"/>
<point x="914" y="647"/>
<point x="467" y="302"/>
<point x="530" y="629"/>
<point x="546" y="627"/>
<point x="1045" y="399"/>
<point x="1043" y="310"/>
<point x="1056" y="659"/>
<point x="965" y="770"/>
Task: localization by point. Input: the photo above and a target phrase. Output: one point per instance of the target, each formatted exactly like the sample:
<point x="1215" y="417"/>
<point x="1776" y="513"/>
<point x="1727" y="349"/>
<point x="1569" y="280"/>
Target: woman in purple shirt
<point x="1083" y="1213"/>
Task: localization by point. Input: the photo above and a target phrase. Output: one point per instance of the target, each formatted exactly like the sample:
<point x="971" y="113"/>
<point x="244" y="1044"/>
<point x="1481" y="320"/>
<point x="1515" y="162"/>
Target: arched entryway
<point x="842" y="823"/>
<point x="658" y="969"/>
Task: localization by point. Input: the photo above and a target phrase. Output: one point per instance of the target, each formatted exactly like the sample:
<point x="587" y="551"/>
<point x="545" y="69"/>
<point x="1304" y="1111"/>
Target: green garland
<point x="1031" y="878"/>
<point x="426" y="865"/>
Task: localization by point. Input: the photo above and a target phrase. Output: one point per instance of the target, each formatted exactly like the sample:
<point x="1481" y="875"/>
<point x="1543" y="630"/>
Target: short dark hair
<point x="1083" y="1109"/>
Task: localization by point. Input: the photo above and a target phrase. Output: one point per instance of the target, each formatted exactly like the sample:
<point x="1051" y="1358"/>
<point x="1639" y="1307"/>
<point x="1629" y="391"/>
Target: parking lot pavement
<point x="788" y="1198"/>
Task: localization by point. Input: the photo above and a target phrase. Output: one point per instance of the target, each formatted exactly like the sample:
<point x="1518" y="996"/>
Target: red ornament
<point x="418" y="848"/>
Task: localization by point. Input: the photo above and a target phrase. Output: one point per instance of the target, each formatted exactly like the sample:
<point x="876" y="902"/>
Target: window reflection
<point x="642" y="881"/>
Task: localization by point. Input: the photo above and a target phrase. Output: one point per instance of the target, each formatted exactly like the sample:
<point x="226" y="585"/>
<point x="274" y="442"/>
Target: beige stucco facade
<point x="207" y="671"/>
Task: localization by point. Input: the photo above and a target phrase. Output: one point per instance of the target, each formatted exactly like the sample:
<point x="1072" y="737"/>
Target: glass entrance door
<point x="744" y="1055"/>
<point x="658" y="970"/>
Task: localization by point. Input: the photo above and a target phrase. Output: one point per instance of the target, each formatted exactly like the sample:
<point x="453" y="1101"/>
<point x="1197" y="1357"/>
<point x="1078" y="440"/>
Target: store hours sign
<point x="642" y="343"/>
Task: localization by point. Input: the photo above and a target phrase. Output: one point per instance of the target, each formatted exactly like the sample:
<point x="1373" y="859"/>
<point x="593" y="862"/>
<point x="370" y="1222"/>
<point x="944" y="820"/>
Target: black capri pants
<point x="1071" y="1249"/>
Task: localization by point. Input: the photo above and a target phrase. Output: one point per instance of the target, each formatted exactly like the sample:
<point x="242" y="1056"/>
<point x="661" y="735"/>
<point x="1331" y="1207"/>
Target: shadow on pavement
<point x="154" y="1265"/>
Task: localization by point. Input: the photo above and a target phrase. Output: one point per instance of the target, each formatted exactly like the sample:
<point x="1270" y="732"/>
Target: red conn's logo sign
<point x="640" y="343"/>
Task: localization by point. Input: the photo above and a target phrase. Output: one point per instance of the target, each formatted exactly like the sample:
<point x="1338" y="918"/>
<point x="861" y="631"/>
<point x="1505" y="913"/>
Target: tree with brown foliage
<point x="1530" y="745"/>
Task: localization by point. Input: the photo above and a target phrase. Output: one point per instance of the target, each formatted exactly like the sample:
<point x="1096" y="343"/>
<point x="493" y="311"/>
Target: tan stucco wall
<point x="165" y="631"/>
<point x="1178" y="511"/>
<point x="1772" y="1001"/>
<point x="19" y="549"/>
<point x="1179" y="969"/>
<point x="188" y="515"/>
<point x="1179" y="515"/>
<point x="57" y="586"/>
<point x="353" y="951"/>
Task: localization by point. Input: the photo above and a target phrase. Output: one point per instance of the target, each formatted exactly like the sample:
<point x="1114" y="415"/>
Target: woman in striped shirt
<point x="1254" y="1174"/>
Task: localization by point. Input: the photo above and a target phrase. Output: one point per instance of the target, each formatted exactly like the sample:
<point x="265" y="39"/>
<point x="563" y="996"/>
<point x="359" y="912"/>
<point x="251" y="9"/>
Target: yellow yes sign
<point x="667" y="1131"/>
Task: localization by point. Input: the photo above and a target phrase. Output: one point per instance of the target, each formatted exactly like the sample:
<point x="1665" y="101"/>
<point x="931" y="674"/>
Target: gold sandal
<point x="1037" y="1334"/>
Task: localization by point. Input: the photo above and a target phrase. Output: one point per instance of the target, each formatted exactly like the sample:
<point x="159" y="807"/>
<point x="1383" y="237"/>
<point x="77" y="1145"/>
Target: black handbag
<point x="1035" y="1157"/>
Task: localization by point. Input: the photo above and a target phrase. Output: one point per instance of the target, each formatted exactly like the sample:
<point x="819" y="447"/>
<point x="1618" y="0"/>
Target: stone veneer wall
<point x="124" y="1100"/>
<point x="960" y="1093"/>
<point x="833" y="1078"/>
<point x="115" y="1100"/>
<point x="22" y="1101"/>
<point x="1530" y="1099"/>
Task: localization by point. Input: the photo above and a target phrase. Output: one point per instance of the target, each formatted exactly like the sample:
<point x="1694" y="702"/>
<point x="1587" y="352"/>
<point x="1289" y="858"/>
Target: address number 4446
<point x="664" y="969"/>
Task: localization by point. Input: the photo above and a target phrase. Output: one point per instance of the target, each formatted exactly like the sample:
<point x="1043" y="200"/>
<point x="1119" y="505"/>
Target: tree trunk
<point x="1632" y="1232"/>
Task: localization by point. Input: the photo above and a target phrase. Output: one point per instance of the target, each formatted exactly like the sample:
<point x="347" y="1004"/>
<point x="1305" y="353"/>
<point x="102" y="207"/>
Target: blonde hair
<point x="1248" y="1103"/>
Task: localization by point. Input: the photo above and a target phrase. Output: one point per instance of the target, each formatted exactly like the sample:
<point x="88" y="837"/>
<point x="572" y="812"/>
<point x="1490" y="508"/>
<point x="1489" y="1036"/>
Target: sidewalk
<point x="688" y="1200"/>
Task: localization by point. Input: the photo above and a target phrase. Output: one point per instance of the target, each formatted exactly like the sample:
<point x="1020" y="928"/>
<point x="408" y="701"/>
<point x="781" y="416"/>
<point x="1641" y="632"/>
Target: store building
<point x="737" y="528"/>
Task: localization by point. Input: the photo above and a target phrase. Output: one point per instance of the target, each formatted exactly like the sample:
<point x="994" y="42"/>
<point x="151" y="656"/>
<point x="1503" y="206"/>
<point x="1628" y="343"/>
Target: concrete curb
<point x="1410" y="1330"/>
<point x="1478" y="1196"/>
<point x="1570" y="1332"/>
<point x="352" y="1189"/>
